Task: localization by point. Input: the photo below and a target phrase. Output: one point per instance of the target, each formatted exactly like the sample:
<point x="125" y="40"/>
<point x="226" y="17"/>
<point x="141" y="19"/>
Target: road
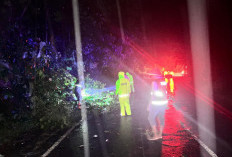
<point x="116" y="136"/>
<point x="186" y="96"/>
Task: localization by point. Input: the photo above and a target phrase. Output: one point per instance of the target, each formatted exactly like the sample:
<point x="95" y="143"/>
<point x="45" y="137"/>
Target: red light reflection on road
<point x="175" y="138"/>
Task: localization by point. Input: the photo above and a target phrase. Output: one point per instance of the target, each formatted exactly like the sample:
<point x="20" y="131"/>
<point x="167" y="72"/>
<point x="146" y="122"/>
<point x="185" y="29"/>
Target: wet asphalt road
<point x="185" y="102"/>
<point x="116" y="136"/>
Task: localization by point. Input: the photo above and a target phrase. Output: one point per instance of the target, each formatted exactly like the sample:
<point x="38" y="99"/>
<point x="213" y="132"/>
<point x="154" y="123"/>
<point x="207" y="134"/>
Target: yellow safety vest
<point x="123" y="87"/>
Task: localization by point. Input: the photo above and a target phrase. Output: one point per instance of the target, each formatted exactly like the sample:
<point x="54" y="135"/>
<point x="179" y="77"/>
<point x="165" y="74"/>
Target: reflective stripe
<point x="123" y="84"/>
<point x="163" y="83"/>
<point x="157" y="93"/>
<point x="123" y="95"/>
<point x="159" y="103"/>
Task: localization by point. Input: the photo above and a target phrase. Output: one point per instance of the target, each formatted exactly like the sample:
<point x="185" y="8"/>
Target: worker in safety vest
<point x="168" y="75"/>
<point x="157" y="106"/>
<point x="130" y="78"/>
<point x="123" y="91"/>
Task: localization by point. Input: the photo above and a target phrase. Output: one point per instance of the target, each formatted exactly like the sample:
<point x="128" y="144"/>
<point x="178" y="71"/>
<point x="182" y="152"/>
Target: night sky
<point x="158" y="27"/>
<point x="161" y="28"/>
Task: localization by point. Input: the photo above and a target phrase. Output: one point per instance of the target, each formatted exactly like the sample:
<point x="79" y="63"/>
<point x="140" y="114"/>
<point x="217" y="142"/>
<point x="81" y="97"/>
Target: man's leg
<point x="161" y="118"/>
<point x="154" y="111"/>
<point x="121" y="101"/>
<point x="127" y="105"/>
<point x="161" y="131"/>
<point x="155" y="131"/>
<point x="171" y="85"/>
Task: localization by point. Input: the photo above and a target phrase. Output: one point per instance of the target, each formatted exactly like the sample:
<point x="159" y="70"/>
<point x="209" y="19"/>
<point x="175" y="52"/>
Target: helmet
<point x="121" y="74"/>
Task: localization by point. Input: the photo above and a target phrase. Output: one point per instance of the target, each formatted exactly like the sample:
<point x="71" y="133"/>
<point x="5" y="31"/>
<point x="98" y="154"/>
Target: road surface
<point x="115" y="136"/>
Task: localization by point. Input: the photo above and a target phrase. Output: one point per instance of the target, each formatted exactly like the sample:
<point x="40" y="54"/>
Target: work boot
<point x="156" y="135"/>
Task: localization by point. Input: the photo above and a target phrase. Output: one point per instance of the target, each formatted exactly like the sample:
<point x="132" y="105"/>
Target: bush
<point x="96" y="95"/>
<point x="53" y="99"/>
<point x="11" y="129"/>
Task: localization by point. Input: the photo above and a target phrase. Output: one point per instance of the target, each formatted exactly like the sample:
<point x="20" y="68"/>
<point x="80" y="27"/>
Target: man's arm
<point x="128" y="86"/>
<point x="117" y="87"/>
<point x="131" y="79"/>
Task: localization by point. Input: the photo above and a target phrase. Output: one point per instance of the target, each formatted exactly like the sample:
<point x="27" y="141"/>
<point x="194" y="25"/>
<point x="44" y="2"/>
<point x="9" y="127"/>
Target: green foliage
<point x="93" y="84"/>
<point x="97" y="96"/>
<point x="53" y="99"/>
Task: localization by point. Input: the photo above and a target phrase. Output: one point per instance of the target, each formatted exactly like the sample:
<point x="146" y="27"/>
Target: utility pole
<point x="120" y="21"/>
<point x="199" y="39"/>
<point x="80" y="68"/>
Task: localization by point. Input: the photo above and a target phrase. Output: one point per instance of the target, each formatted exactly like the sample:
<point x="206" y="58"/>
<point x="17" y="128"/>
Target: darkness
<point x="159" y="25"/>
<point x="163" y="24"/>
<point x="220" y="22"/>
<point x="157" y="28"/>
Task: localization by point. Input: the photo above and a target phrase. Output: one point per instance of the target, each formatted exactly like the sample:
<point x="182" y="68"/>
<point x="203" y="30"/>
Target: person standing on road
<point x="156" y="109"/>
<point x="168" y="75"/>
<point x="130" y="77"/>
<point x="123" y="91"/>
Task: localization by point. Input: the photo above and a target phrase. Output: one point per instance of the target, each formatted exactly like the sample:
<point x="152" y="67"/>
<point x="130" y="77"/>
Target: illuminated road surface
<point x="112" y="135"/>
<point x="223" y="117"/>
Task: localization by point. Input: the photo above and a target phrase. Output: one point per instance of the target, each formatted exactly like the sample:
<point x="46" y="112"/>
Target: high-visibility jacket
<point x="131" y="79"/>
<point x="169" y="79"/>
<point x="123" y="87"/>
